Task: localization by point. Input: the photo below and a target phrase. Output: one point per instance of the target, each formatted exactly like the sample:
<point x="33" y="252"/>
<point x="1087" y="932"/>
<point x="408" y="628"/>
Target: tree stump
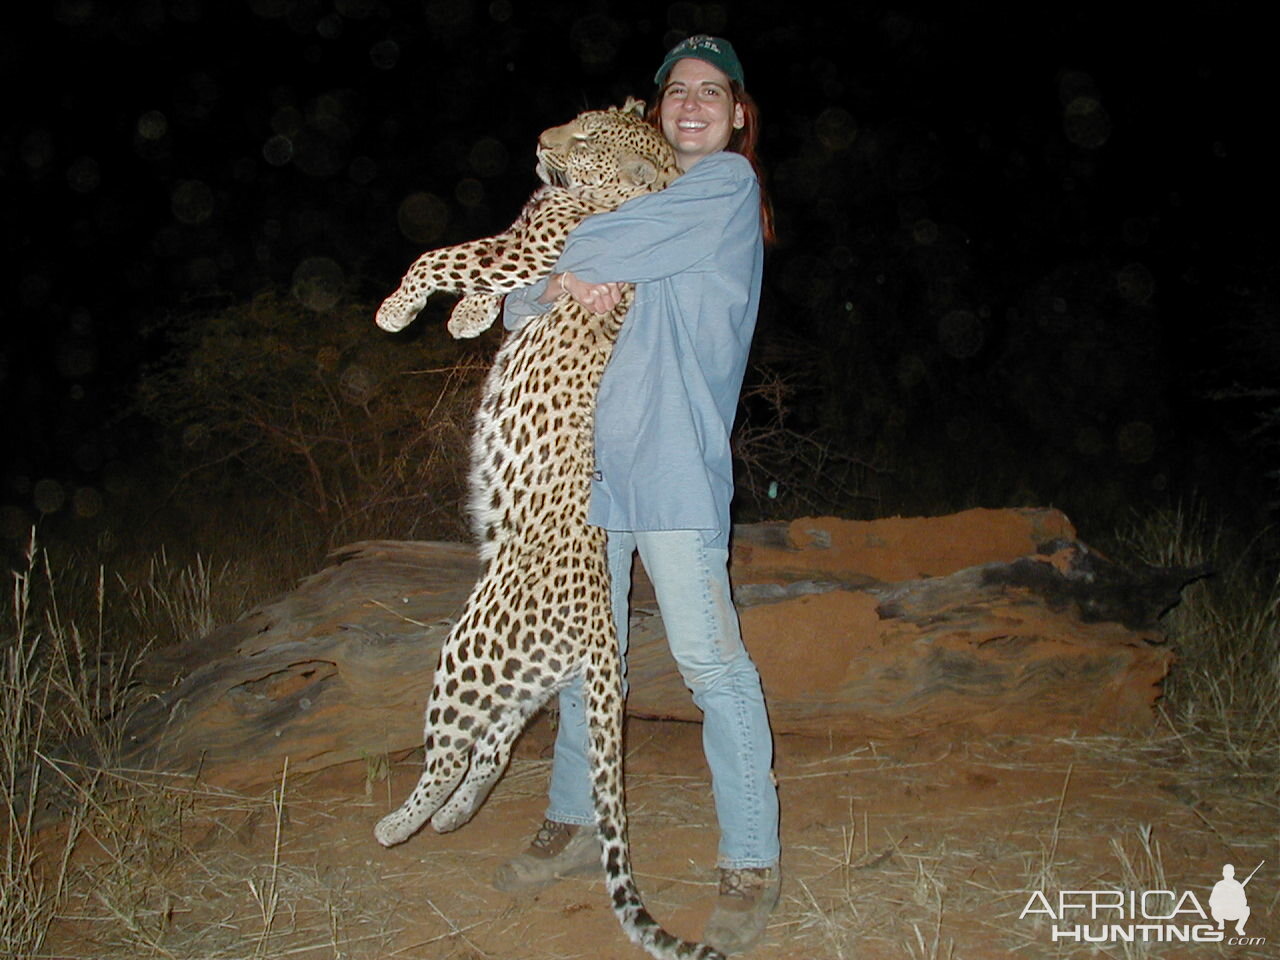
<point x="987" y="620"/>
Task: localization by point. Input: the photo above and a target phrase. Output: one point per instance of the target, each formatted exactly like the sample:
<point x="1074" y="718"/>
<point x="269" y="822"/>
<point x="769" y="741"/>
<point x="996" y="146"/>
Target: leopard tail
<point x="605" y="714"/>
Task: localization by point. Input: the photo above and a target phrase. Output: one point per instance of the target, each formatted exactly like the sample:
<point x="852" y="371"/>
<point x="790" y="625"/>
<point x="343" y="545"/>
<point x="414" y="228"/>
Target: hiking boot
<point x="742" y="909"/>
<point x="557" y="850"/>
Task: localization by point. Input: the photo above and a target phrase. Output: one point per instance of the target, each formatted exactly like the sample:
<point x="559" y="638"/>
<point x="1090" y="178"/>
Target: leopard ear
<point x="634" y="106"/>
<point x="641" y="171"/>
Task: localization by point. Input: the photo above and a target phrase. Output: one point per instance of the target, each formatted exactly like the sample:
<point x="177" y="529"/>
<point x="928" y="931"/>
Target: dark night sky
<point x="161" y="155"/>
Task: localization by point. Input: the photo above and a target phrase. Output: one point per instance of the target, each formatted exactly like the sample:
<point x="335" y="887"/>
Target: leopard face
<point x="610" y="153"/>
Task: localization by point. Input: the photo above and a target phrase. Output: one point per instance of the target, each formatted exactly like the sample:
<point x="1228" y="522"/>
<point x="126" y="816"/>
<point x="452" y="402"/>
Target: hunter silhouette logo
<point x="1148" y="916"/>
<point x="1228" y="900"/>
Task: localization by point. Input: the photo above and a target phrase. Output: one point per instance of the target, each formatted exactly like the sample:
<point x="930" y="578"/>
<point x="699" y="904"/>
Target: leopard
<point x="539" y="615"/>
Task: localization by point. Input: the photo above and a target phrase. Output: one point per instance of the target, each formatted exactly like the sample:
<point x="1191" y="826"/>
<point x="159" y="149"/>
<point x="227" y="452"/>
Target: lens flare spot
<point x="835" y="128"/>
<point x="469" y="192"/>
<point x="14" y="523"/>
<point x="191" y="202"/>
<point x="385" y="54"/>
<point x="422" y="217"/>
<point x="1136" y="441"/>
<point x="1136" y="283"/>
<point x="1089" y="441"/>
<point x="1086" y="123"/>
<point x="152" y="125"/>
<point x="278" y="150"/>
<point x="318" y="283"/>
<point x="86" y="502"/>
<point x="358" y="384"/>
<point x="924" y="232"/>
<point x="911" y="371"/>
<point x="488" y="158"/>
<point x="48" y="496"/>
<point x="84" y="176"/>
<point x="961" y="334"/>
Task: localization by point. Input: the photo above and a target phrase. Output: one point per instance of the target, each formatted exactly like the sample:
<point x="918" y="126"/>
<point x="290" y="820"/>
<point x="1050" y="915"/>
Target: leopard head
<point x="609" y="153"/>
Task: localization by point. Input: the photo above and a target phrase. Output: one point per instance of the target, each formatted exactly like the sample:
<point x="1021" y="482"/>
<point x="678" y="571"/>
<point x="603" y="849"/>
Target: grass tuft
<point x="43" y="700"/>
<point x="1223" y="696"/>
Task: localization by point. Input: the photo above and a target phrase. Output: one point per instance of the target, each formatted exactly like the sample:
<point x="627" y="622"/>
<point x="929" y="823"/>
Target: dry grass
<point x="68" y="653"/>
<point x="41" y="701"/>
<point x="187" y="871"/>
<point x="1223" y="699"/>
<point x="925" y="851"/>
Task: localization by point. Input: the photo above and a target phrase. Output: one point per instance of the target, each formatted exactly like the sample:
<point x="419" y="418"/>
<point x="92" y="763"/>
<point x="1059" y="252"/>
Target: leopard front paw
<point x="474" y="314"/>
<point x="400" y="309"/>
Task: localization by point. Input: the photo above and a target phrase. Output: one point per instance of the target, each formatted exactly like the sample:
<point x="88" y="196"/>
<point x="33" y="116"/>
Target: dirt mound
<point x="994" y="620"/>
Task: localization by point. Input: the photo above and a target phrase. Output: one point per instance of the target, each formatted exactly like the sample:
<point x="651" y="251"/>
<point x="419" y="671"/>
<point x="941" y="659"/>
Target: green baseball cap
<point x="714" y="50"/>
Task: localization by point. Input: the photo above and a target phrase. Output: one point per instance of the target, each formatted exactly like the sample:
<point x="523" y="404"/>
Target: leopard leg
<point x="454" y="722"/>
<point x="488" y="761"/>
<point x="492" y="266"/>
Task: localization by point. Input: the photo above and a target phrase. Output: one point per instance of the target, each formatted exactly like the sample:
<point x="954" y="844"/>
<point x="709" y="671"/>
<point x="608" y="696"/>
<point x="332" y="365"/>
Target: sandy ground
<point x="921" y="848"/>
<point x="929" y="847"/>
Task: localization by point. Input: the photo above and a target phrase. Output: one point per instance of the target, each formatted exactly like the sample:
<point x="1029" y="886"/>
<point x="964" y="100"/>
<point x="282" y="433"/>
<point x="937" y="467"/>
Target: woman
<point x="664" y="477"/>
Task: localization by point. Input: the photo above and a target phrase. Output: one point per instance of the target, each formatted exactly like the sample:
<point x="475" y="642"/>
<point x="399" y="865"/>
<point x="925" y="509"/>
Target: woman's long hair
<point x="741" y="140"/>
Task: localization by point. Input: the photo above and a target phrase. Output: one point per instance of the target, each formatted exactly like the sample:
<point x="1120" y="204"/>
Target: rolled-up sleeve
<point x="523" y="305"/>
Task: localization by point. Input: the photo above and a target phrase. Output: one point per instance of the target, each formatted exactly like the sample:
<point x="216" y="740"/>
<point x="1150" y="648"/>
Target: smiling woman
<point x="744" y="131"/>
<point x="697" y="112"/>
<point x="663" y="475"/>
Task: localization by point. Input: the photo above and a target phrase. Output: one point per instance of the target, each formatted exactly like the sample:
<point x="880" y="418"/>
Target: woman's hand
<point x="596" y="297"/>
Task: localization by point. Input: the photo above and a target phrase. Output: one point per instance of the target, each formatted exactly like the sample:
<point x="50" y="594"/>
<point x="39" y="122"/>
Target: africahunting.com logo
<point x="1148" y="916"/>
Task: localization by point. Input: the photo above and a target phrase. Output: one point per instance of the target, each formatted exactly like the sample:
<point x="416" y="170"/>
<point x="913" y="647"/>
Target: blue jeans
<point x="691" y="581"/>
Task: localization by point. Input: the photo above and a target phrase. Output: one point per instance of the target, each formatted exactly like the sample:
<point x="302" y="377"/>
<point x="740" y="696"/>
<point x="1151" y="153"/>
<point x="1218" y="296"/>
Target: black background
<point x="1079" y="188"/>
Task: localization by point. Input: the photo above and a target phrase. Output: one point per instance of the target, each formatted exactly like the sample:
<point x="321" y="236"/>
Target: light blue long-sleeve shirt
<point x="669" y="394"/>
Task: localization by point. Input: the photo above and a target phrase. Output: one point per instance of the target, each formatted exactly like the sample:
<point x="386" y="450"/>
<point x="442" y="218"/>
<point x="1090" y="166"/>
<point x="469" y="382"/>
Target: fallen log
<point x="985" y="620"/>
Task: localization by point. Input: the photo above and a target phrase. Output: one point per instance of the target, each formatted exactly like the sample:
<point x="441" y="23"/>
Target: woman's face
<point x="698" y="113"/>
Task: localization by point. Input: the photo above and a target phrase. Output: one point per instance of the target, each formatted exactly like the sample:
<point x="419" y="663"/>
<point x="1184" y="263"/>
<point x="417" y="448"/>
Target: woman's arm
<point x="524" y="304"/>
<point x="661" y="234"/>
<point x="596" y="297"/>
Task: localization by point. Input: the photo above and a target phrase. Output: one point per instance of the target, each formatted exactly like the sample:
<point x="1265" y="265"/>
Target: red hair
<point x="742" y="140"/>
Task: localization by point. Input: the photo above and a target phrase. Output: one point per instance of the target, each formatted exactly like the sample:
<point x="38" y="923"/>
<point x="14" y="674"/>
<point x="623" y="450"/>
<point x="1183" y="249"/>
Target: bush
<point x="366" y="434"/>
